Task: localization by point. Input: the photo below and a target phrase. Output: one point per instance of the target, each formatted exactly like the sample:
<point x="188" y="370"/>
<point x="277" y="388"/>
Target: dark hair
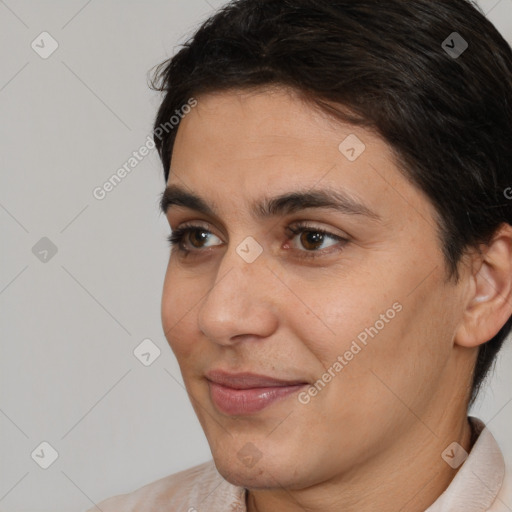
<point x="389" y="67"/>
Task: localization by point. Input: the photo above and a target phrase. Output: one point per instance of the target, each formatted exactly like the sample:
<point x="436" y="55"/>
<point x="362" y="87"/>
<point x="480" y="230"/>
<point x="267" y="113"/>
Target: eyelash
<point x="176" y="238"/>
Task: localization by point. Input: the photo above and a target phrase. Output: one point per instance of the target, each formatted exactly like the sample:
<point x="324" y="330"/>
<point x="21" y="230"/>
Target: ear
<point x="489" y="300"/>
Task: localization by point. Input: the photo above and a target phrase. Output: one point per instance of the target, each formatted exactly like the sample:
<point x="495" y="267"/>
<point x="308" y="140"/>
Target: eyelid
<point x="331" y="231"/>
<point x="296" y="223"/>
<point x="294" y="228"/>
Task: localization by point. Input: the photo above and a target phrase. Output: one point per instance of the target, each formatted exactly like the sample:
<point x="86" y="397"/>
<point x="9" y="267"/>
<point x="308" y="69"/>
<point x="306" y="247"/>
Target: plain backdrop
<point x="81" y="278"/>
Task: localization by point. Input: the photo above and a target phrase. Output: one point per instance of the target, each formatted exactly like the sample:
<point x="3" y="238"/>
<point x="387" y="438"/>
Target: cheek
<point x="170" y="293"/>
<point x="178" y="313"/>
<point x="403" y="359"/>
<point x="337" y="309"/>
<point x="374" y="323"/>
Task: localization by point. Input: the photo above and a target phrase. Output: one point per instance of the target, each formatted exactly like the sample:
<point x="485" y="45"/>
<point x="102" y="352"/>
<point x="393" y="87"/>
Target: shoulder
<point x="184" y="491"/>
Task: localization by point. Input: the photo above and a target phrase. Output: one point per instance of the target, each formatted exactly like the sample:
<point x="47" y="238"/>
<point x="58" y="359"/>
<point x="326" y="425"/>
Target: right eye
<point x="193" y="235"/>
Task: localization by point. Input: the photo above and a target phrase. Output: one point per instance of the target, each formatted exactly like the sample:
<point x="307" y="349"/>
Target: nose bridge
<point x="239" y="300"/>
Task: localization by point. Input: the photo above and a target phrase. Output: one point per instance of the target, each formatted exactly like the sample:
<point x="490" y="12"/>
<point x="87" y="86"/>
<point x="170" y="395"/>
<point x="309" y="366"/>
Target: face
<point x="344" y="310"/>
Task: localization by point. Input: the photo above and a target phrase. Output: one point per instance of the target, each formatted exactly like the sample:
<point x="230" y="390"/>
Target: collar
<point x="478" y="481"/>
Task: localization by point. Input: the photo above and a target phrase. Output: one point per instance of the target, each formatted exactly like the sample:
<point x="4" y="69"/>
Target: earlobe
<point x="489" y="297"/>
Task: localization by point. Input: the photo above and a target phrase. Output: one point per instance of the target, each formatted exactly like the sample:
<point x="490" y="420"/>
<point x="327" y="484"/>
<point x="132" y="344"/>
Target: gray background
<point x="69" y="325"/>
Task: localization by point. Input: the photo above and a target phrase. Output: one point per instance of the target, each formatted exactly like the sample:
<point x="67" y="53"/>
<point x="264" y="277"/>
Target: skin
<point x="372" y="439"/>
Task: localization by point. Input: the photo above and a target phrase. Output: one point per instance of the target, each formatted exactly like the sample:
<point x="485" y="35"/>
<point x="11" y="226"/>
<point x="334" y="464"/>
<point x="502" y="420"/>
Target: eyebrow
<point x="284" y="204"/>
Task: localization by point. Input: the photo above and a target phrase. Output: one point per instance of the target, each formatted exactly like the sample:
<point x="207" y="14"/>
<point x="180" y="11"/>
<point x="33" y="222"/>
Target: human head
<point x="449" y="121"/>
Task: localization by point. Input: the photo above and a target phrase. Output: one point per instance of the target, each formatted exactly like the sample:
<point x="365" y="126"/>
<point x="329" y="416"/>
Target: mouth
<point x="248" y="393"/>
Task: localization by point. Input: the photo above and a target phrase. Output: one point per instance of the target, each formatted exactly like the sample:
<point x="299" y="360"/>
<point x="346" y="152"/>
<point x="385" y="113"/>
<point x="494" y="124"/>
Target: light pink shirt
<point x="482" y="484"/>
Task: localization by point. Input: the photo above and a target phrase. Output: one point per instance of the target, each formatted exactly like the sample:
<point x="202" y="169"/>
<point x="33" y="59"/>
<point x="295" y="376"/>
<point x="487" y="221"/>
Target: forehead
<point x="236" y="146"/>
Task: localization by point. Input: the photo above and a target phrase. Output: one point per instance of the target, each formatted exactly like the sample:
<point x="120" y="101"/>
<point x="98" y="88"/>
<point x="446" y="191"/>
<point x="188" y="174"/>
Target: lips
<point x="248" y="380"/>
<point x="248" y="393"/>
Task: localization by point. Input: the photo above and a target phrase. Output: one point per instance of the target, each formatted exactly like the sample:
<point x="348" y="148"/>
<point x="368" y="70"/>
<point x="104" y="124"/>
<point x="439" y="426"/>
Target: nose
<point x="241" y="302"/>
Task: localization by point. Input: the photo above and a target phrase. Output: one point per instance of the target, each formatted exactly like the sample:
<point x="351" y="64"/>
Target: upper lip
<point x="248" y="380"/>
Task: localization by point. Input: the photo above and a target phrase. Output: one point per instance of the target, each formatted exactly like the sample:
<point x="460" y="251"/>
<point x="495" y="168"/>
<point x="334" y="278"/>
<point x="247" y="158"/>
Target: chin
<point x="255" y="478"/>
<point x="266" y="473"/>
<point x="258" y="477"/>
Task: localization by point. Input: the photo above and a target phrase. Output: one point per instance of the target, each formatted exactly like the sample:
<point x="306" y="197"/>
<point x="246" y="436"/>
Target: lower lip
<point x="247" y="401"/>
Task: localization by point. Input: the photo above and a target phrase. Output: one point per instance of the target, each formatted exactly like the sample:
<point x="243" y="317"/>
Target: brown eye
<point x="197" y="237"/>
<point x="189" y="239"/>
<point x="311" y="240"/>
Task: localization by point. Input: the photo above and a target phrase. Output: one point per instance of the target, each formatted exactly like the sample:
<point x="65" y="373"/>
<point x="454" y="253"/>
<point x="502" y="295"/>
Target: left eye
<point x="313" y="238"/>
